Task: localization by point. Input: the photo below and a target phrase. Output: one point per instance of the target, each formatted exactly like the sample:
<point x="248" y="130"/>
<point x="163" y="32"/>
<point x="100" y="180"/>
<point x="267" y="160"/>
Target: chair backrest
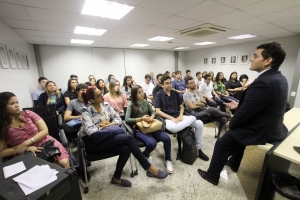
<point x="51" y="123"/>
<point x="35" y="103"/>
<point x="44" y="111"/>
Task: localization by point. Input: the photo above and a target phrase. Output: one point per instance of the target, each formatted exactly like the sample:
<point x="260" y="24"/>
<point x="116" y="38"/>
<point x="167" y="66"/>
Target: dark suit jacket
<point x="259" y="117"/>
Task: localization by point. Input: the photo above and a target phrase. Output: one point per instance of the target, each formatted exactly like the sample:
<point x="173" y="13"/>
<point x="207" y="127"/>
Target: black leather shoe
<point x="203" y="156"/>
<point x="203" y="175"/>
<point x="232" y="169"/>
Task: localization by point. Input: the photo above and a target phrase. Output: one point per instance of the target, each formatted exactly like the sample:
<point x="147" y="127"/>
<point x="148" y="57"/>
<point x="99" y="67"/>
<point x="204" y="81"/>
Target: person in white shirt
<point x="208" y="92"/>
<point x="147" y="87"/>
<point x="199" y="80"/>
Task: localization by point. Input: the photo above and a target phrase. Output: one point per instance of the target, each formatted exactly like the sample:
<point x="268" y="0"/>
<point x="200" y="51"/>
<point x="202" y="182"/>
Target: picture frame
<point x="233" y="59"/>
<point x="11" y="57"/>
<point x="213" y="60"/>
<point x="23" y="60"/>
<point x="205" y="61"/>
<point x="4" y="62"/>
<point x="223" y="60"/>
<point x="244" y="59"/>
<point x="18" y="60"/>
<point x="27" y="62"/>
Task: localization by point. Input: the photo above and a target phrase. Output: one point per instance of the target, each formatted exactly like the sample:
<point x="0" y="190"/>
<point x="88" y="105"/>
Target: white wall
<point x="60" y="62"/>
<point x="194" y="59"/>
<point x="182" y="62"/>
<point x="19" y="81"/>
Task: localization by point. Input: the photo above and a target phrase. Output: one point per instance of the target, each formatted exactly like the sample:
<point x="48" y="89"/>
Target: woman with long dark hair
<point x="141" y="110"/>
<point x="22" y="131"/>
<point x="101" y="86"/>
<point x="71" y="93"/>
<point x="233" y="85"/>
<point x="98" y="115"/>
<point x="127" y="85"/>
<point x="220" y="88"/>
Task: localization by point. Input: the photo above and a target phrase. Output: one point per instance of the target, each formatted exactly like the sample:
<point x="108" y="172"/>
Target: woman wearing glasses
<point x="97" y="116"/>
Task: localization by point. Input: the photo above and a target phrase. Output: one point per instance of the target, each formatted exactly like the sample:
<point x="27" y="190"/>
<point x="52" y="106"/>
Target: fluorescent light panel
<point x="182" y="47"/>
<point x="139" y="45"/>
<point x="76" y="41"/>
<point x="105" y="9"/>
<point x="160" y="38"/>
<point x="89" y="31"/>
<point x="240" y="37"/>
<point x="204" y="43"/>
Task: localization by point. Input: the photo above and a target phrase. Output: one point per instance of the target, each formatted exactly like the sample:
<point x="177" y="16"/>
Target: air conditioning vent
<point x="202" y="30"/>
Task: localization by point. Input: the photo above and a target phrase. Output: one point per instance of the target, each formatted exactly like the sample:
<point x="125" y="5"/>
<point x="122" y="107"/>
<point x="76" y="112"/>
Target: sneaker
<point x="203" y="156"/>
<point x="169" y="166"/>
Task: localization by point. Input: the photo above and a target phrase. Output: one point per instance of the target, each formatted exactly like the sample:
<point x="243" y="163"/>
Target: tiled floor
<point x="185" y="183"/>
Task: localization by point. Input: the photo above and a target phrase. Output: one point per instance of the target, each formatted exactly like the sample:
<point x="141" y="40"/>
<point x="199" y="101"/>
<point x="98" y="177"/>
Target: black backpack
<point x="189" y="152"/>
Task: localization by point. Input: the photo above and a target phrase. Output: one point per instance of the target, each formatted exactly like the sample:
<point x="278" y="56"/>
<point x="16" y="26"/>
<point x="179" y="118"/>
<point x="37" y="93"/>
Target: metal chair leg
<point x="86" y="189"/>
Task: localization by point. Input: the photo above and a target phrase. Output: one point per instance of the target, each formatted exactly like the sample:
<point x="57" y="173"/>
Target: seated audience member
<point x="245" y="81"/>
<point x="195" y="102"/>
<point x="168" y="104"/>
<point x="52" y="96"/>
<point x="97" y="116"/>
<point x="208" y="92"/>
<point x="147" y="87"/>
<point x="22" y="131"/>
<point x="198" y="79"/>
<point x="188" y="74"/>
<point x="173" y="76"/>
<point x="73" y="76"/>
<point x="158" y="87"/>
<point x="71" y="93"/>
<point x="167" y="73"/>
<point x="220" y="88"/>
<point x="153" y="79"/>
<point x="74" y="108"/>
<point x="126" y="88"/>
<point x="233" y="85"/>
<point x="110" y="77"/>
<point x="178" y="84"/>
<point x="139" y="110"/>
<point x="203" y="74"/>
<point x="92" y="83"/>
<point x="211" y="73"/>
<point x="133" y="83"/>
<point x="89" y="82"/>
<point x="101" y="86"/>
<point x="36" y="93"/>
<point x="115" y="97"/>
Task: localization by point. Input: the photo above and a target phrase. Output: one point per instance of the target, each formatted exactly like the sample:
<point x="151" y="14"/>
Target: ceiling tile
<point x="74" y="6"/>
<point x="237" y="4"/>
<point x="43" y="15"/>
<point x="109" y="39"/>
<point x="157" y="30"/>
<point x="115" y="33"/>
<point x="84" y="37"/>
<point x="269" y="6"/>
<point x="95" y="22"/>
<point x="30" y="38"/>
<point x="295" y="28"/>
<point x="13" y="11"/>
<point x="50" y="39"/>
<point x="259" y="28"/>
<point x="205" y="10"/>
<point x="58" y="43"/>
<point x="281" y="15"/>
<point x="273" y="31"/>
<point x="42" y="26"/>
<point x="169" y="6"/>
<point x="280" y="35"/>
<point x="129" y="26"/>
<point x="247" y="23"/>
<point x="142" y="36"/>
<point x="35" y="42"/>
<point x="229" y="18"/>
<point x="55" y="34"/>
<point x="288" y="22"/>
<point x="129" y="2"/>
<point x="12" y="2"/>
<point x="176" y="22"/>
<point x="21" y="24"/>
<point x="24" y="32"/>
<point x="145" y="16"/>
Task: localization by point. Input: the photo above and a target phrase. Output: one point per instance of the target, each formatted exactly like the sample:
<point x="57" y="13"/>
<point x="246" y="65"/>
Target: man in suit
<point x="259" y="115"/>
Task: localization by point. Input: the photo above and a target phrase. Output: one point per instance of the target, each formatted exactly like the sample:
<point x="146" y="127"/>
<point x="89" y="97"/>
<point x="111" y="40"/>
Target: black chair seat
<point x="92" y="156"/>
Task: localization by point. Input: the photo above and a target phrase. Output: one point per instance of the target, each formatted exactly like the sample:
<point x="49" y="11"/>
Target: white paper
<point x="11" y="170"/>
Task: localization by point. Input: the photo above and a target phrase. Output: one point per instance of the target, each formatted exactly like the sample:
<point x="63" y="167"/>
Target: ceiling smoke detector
<point x="203" y="30"/>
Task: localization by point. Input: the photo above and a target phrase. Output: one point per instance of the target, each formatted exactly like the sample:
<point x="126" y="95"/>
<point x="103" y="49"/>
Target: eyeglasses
<point x="98" y="96"/>
<point x="209" y="79"/>
<point x="117" y="85"/>
<point x="167" y="83"/>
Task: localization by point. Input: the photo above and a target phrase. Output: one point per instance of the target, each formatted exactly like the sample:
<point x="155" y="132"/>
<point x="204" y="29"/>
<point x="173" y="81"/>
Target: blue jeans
<point x="151" y="140"/>
<point x="226" y="99"/>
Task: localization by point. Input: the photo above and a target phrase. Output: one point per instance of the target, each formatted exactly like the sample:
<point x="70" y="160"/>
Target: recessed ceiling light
<point x="76" y="41"/>
<point x="139" y="45"/>
<point x="240" y="37"/>
<point x="182" y="47"/>
<point x="161" y="38"/>
<point x="204" y="43"/>
<point x="89" y="31"/>
<point x="105" y="9"/>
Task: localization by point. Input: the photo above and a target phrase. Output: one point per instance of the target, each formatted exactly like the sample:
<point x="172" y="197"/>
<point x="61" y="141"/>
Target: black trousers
<point x="225" y="147"/>
<point x="218" y="116"/>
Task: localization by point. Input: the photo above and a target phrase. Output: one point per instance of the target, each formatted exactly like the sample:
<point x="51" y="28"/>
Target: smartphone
<point x="297" y="149"/>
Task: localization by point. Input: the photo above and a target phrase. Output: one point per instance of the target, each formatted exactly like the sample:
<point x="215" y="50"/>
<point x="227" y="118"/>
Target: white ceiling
<point x="53" y="21"/>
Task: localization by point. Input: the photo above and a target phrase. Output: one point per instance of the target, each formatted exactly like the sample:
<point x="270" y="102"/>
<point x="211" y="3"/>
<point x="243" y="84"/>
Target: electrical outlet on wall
<point x="293" y="94"/>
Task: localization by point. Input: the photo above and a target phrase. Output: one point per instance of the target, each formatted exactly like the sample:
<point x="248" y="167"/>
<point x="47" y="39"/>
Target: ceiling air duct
<point x="202" y="30"/>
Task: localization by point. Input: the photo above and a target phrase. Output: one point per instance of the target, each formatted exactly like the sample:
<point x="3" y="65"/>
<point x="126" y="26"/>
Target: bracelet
<point x="32" y="140"/>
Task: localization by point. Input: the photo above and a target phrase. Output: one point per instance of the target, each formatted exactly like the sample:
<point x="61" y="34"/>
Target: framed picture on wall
<point x="18" y="59"/>
<point x="233" y="59"/>
<point x="23" y="60"/>
<point x="244" y="59"/>
<point x="4" y="63"/>
<point x="27" y="62"/>
<point x="213" y="60"/>
<point x="205" y="61"/>
<point x="11" y="58"/>
<point x="222" y="60"/>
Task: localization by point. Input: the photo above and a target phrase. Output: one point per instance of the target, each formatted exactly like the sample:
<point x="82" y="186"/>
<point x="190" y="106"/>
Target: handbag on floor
<point x="146" y="127"/>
